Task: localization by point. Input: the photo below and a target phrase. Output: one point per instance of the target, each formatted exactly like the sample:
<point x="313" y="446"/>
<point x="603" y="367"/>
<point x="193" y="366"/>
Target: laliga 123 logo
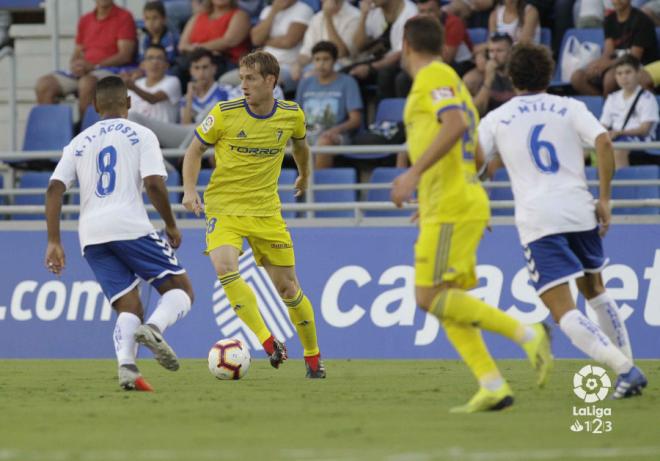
<point x="591" y="384"/>
<point x="272" y="308"/>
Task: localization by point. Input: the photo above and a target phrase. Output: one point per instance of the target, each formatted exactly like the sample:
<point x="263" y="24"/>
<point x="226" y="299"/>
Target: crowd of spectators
<point x="338" y="58"/>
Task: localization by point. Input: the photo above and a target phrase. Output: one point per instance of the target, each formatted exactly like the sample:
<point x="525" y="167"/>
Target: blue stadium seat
<point x="501" y="193"/>
<point x="287" y="178"/>
<point x="49" y="127"/>
<point x="594" y="104"/>
<point x="478" y="35"/>
<point x="546" y="37"/>
<point x="314" y="4"/>
<point x="335" y="176"/>
<point x="31" y="180"/>
<point x="388" y="110"/>
<point x="636" y="192"/>
<point x="583" y="35"/>
<point x="90" y="117"/>
<point x="384" y="175"/>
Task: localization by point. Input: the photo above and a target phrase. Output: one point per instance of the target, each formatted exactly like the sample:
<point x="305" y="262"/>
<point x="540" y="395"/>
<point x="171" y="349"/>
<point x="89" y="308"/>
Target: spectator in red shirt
<point x="105" y="43"/>
<point x="222" y="28"/>
<point x="456" y="47"/>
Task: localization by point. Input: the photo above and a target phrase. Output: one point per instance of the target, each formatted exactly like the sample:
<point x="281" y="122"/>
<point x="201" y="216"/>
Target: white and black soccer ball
<point x="229" y="359"/>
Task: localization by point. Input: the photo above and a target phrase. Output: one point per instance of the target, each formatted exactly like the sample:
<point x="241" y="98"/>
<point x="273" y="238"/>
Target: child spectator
<point x="631" y="114"/>
<point x="156" y="95"/>
<point x="331" y="102"/>
<point x="156" y="31"/>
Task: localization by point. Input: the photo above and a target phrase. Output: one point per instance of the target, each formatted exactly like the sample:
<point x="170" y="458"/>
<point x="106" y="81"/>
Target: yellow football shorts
<point x="447" y="252"/>
<point x="268" y="237"/>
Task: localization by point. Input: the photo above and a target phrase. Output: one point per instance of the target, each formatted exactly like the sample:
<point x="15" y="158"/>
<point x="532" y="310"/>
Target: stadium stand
<point x="49" y="127"/>
<point x="501" y="193"/>
<point x="478" y="35"/>
<point x="32" y="180"/>
<point x="335" y="176"/>
<point x="636" y="192"/>
<point x="383" y="175"/>
<point x="583" y="35"/>
<point x="89" y="118"/>
<point x="287" y="178"/>
<point x="593" y="103"/>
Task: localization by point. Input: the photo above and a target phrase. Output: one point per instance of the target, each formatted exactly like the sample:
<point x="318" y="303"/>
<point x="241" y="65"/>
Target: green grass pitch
<point x="61" y="410"/>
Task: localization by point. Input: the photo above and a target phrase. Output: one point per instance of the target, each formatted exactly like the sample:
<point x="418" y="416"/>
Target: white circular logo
<point x="591" y="384"/>
<point x="207" y="124"/>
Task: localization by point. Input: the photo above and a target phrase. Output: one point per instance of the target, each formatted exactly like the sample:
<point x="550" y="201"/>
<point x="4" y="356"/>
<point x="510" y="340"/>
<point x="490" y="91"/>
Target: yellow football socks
<point x="468" y="342"/>
<point x="244" y="303"/>
<point x="457" y="305"/>
<point x="302" y="316"/>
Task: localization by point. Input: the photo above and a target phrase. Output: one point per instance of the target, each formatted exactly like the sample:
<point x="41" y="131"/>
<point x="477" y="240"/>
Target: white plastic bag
<point x="577" y="55"/>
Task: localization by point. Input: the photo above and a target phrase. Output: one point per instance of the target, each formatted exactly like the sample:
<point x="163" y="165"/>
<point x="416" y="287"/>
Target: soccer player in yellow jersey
<point x="440" y="121"/>
<point x="241" y="201"/>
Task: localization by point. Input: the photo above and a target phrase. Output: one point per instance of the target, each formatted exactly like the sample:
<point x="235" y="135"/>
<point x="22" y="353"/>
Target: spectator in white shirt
<point x="280" y="31"/>
<point x="156" y="95"/>
<point x="336" y="22"/>
<point x="379" y="37"/>
<point x="625" y="121"/>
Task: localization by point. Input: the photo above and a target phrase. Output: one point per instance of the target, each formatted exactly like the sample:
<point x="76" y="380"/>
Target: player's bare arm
<point x="157" y="192"/>
<point x="192" y="163"/>
<point x="54" y="252"/>
<point x="605" y="152"/>
<point x="453" y="126"/>
<point x="301" y="156"/>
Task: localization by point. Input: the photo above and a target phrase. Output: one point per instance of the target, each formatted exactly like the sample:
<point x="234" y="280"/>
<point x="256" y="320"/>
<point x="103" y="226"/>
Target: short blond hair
<point x="268" y="64"/>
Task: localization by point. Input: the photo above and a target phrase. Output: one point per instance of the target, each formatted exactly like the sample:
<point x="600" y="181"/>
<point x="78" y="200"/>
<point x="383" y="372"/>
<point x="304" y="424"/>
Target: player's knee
<point x="287" y="288"/>
<point x="223" y="268"/>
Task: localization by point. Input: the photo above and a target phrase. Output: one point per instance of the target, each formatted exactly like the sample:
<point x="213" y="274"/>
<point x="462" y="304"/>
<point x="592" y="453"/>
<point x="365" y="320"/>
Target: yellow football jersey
<point x="248" y="153"/>
<point x="449" y="190"/>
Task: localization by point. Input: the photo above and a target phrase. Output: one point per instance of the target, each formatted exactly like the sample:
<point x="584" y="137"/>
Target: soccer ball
<point x="229" y="359"/>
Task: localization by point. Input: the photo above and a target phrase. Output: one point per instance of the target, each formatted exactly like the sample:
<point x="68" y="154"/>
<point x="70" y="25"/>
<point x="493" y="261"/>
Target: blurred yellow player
<point x="441" y="122"/>
<point x="241" y="201"/>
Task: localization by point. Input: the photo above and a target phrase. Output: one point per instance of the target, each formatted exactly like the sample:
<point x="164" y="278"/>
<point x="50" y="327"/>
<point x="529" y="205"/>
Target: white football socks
<point x="610" y="321"/>
<point x="123" y="336"/>
<point x="590" y="339"/>
<point x="172" y="306"/>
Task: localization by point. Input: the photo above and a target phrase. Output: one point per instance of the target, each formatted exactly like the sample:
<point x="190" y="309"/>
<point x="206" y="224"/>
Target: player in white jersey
<point x="539" y="138"/>
<point x="111" y="161"/>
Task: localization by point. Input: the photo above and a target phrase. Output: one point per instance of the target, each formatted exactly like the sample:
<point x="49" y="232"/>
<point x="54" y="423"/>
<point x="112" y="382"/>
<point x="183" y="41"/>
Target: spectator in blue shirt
<point x="331" y="101"/>
<point x="156" y="31"/>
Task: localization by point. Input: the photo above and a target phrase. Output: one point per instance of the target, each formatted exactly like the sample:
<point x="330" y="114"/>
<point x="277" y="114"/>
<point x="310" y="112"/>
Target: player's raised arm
<point x="156" y="189"/>
<point x="605" y="152"/>
<point x="192" y="163"/>
<point x="54" y="252"/>
<point x="301" y="156"/>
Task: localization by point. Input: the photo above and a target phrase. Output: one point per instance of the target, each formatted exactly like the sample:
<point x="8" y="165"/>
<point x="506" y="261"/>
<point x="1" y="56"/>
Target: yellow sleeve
<point x="209" y="131"/>
<point x="443" y="90"/>
<point x="300" y="129"/>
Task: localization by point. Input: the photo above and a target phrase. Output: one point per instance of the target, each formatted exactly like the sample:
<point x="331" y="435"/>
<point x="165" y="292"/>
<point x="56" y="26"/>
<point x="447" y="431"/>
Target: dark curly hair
<point x="530" y="67"/>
